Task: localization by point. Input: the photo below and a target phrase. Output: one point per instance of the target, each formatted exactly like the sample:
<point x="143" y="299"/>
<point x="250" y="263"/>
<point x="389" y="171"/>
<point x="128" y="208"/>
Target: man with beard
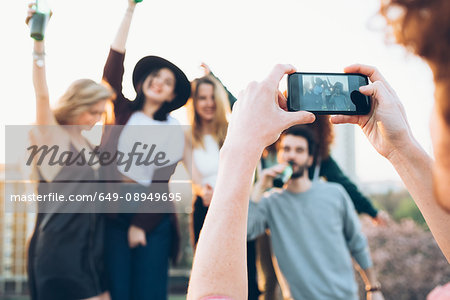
<point x="314" y="228"/>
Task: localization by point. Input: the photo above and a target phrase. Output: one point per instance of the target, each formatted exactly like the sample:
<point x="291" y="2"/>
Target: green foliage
<point x="400" y="206"/>
<point x="408" y="209"/>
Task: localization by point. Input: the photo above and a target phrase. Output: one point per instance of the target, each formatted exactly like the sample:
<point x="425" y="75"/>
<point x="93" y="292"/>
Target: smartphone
<point x="328" y="93"/>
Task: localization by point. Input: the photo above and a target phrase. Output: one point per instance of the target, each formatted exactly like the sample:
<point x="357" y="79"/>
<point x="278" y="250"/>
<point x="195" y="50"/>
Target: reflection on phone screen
<point x="329" y="93"/>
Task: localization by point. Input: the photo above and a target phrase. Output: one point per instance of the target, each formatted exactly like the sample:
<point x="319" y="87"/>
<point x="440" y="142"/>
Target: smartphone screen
<point x="328" y="93"/>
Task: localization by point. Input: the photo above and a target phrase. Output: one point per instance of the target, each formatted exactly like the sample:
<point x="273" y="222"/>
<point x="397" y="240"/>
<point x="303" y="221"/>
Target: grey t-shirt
<point x="313" y="234"/>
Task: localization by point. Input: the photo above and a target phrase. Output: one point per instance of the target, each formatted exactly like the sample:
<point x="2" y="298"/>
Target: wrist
<point x="38" y="46"/>
<point x="39" y="58"/>
<point x="406" y="150"/>
<point x="240" y="148"/>
<point x="131" y="7"/>
<point x="372" y="288"/>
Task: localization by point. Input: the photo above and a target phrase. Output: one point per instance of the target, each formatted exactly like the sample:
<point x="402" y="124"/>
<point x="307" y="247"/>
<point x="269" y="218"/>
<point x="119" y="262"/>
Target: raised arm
<point x="120" y="40"/>
<point x="219" y="267"/>
<point x="231" y="98"/>
<point x="114" y="69"/>
<point x="44" y="115"/>
<point x="388" y="131"/>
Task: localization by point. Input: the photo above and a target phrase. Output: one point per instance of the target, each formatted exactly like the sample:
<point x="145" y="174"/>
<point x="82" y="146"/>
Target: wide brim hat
<point x="148" y="64"/>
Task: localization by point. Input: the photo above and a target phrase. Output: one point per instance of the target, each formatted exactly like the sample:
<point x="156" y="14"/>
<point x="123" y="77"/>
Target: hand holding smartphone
<point x="328" y="93"/>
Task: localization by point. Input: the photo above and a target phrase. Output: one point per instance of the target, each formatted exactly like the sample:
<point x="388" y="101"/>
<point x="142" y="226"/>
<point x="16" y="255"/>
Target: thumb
<point x="144" y="241"/>
<point x="368" y="90"/>
<point x="299" y="117"/>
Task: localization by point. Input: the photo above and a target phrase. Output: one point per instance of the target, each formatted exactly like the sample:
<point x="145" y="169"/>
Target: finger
<point x="278" y="72"/>
<point x="298" y="117"/>
<point x="31" y="4"/>
<point x="30" y="14"/>
<point x="342" y="119"/>
<point x="369" y="71"/>
<point x="282" y="101"/>
<point x="376" y="90"/>
<point x="144" y="241"/>
<point x="272" y="173"/>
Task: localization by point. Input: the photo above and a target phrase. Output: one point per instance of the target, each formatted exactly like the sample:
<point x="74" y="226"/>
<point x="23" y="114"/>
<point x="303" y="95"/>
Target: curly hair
<point x="324" y="135"/>
<point x="423" y="27"/>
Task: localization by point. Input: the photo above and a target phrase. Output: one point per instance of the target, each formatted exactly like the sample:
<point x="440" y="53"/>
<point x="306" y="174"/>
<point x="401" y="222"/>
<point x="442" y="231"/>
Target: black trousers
<point x="198" y="217"/>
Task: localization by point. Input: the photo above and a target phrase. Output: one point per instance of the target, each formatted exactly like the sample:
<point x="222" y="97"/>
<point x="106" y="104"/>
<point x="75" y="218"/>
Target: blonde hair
<point x="220" y="122"/>
<point x="80" y="95"/>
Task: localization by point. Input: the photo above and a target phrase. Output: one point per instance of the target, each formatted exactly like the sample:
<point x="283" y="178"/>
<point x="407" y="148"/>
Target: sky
<point x="240" y="40"/>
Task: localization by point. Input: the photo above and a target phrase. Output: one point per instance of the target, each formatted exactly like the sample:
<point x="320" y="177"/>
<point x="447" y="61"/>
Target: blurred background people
<point x="323" y="167"/>
<point x="314" y="227"/>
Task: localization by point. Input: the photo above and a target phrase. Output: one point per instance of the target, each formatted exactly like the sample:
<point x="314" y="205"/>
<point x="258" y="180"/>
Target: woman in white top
<point x="207" y="111"/>
<point x="140" y="242"/>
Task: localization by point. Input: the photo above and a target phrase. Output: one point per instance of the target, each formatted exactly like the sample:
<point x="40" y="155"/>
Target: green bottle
<point x="38" y="22"/>
<point x="137" y="1"/>
<point x="280" y="180"/>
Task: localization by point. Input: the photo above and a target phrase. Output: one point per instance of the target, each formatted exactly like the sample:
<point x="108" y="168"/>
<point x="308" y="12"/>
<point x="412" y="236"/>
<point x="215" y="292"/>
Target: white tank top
<point x="206" y="160"/>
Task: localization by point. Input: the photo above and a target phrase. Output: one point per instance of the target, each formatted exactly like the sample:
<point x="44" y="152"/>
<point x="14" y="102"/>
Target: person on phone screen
<point x="339" y="98"/>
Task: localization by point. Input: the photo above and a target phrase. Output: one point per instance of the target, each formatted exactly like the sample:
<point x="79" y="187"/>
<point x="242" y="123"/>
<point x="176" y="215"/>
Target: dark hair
<point x="324" y="136"/>
<point x="305" y="132"/>
<point x="138" y="103"/>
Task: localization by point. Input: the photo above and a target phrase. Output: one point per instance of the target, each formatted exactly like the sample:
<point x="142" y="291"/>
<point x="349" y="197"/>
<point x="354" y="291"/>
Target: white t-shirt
<point x="142" y="132"/>
<point x="207" y="160"/>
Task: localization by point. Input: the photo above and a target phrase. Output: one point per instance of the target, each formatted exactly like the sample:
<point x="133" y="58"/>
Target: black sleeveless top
<point x="65" y="259"/>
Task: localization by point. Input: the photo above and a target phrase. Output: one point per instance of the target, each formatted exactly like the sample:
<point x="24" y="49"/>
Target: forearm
<point x="222" y="242"/>
<point x="120" y="40"/>
<point x="40" y="83"/>
<point x="258" y="190"/>
<point x="415" y="169"/>
<point x="369" y="277"/>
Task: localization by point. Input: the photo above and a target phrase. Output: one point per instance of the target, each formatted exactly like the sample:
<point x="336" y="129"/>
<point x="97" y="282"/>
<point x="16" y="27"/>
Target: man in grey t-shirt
<point x="314" y="227"/>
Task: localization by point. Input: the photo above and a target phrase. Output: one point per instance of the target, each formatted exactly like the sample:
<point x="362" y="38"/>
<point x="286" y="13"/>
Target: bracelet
<point x="39" y="58"/>
<point x="373" y="288"/>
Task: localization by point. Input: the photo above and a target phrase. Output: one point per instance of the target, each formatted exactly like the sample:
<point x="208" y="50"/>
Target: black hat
<point x="150" y="63"/>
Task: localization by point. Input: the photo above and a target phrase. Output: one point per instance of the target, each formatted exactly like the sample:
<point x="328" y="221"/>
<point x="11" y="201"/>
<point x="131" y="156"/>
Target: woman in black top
<point x="65" y="257"/>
